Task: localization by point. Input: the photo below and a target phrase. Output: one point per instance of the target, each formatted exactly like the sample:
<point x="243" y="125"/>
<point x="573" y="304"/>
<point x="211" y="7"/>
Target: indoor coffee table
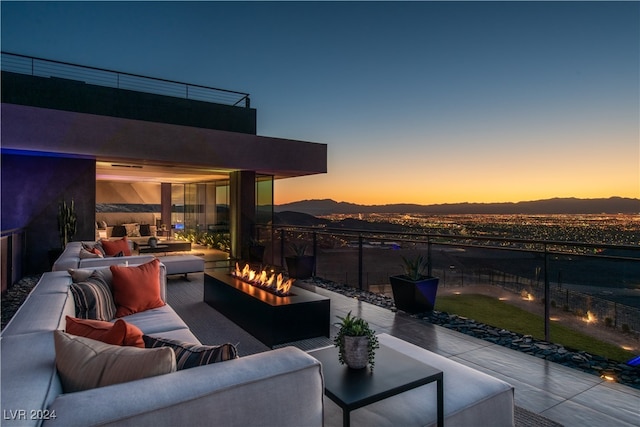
<point x="393" y="374"/>
<point x="163" y="246"/>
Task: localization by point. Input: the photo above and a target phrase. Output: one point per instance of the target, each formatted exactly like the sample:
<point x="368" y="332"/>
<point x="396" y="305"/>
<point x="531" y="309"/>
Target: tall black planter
<point x="300" y="267"/>
<point x="254" y="253"/>
<point x="414" y="296"/>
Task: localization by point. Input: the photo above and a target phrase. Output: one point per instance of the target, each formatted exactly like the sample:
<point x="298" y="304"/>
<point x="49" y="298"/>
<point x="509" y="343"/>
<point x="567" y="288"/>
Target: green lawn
<point x="491" y="311"/>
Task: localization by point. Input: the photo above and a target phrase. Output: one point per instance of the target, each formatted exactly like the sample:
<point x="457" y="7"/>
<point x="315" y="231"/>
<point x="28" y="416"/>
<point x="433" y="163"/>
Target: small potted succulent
<point x="300" y="266"/>
<point x="414" y="291"/>
<point x="356" y="341"/>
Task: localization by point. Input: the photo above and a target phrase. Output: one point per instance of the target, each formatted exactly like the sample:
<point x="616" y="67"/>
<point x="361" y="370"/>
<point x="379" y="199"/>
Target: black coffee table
<point x="394" y="373"/>
<point x="163" y="246"/>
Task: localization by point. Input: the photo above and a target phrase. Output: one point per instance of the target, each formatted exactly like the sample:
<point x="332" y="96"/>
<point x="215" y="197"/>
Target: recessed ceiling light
<point x="126" y="166"/>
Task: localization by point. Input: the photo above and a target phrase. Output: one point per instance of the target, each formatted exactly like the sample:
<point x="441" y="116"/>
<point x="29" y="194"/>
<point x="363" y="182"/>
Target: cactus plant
<point x="67" y="222"/>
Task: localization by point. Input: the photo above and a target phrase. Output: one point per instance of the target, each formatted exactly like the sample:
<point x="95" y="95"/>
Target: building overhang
<point x="137" y="142"/>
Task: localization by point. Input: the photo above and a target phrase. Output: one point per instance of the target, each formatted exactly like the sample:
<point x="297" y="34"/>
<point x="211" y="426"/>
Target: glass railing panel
<point x="596" y="296"/>
<point x="587" y="286"/>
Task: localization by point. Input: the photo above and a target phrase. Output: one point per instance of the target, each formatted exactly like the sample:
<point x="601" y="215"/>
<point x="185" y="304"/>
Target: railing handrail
<point x="431" y="236"/>
<point x="243" y="95"/>
<point x="459" y="241"/>
<point x="11" y="231"/>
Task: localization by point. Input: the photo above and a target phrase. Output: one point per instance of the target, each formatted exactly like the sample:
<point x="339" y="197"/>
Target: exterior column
<point x="165" y="205"/>
<point x="242" y="210"/>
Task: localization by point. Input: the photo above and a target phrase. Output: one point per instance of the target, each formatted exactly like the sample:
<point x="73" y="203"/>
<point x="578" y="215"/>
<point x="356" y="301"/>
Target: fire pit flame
<point x="263" y="280"/>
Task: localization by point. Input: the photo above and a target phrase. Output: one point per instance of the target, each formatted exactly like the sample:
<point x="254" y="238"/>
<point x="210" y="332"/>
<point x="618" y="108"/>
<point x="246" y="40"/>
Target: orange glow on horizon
<point x="323" y="187"/>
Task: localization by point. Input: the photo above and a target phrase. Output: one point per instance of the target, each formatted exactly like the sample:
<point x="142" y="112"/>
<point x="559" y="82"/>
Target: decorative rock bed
<point x="592" y="364"/>
<point x="15" y="296"/>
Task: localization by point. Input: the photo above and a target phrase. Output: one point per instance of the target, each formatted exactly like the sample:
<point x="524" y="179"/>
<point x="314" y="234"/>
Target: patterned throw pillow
<point x="93" y="298"/>
<point x="192" y="355"/>
<point x="133" y="229"/>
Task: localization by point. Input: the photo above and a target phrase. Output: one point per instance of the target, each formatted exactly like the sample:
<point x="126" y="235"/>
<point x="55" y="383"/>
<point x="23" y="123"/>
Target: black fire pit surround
<point x="271" y="318"/>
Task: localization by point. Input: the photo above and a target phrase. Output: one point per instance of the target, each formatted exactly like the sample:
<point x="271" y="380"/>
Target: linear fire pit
<point x="271" y="318"/>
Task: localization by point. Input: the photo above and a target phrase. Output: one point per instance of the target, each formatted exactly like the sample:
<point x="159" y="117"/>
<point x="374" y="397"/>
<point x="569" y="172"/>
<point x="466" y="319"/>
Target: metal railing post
<point x="315" y="251"/>
<point x="547" y="300"/>
<point x="282" y="247"/>
<point x="429" y="266"/>
<point x="360" y="261"/>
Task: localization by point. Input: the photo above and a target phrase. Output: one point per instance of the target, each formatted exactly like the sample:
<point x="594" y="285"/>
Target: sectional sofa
<point x="281" y="387"/>
<point x="71" y="258"/>
<point x="175" y="264"/>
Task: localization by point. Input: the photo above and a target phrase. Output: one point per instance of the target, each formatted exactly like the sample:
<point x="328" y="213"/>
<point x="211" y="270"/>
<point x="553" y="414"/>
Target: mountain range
<point x="612" y="205"/>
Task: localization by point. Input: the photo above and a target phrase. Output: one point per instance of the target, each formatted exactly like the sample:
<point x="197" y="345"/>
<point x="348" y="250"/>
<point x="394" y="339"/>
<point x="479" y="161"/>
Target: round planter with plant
<point x="356" y="341"/>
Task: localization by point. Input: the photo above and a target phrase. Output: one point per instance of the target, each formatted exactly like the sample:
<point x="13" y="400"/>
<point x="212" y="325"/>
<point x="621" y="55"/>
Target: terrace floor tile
<point x="562" y="394"/>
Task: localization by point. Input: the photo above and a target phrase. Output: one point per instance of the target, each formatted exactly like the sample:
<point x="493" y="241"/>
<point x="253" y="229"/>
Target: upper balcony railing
<point x="40" y="67"/>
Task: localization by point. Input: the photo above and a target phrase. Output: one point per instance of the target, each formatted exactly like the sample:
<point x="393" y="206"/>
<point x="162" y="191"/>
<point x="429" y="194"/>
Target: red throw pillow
<point x="118" y="333"/>
<point x="97" y="251"/>
<point x="136" y="289"/>
<point x="112" y="247"/>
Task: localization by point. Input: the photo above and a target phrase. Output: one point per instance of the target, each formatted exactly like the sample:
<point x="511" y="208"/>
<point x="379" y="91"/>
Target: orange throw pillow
<point x="136" y="289"/>
<point x="112" y="247"/>
<point x="118" y="333"/>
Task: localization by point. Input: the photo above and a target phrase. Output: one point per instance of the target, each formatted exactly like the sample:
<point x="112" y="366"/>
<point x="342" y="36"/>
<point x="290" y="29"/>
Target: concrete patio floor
<point x="562" y="394"/>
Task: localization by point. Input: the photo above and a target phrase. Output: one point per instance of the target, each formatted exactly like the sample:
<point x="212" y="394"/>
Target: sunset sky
<point x="418" y="102"/>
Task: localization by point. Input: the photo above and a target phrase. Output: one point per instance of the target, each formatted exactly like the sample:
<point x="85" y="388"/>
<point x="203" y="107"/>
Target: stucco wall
<point x="32" y="188"/>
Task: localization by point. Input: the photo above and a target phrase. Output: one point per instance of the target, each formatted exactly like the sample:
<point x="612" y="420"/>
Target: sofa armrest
<point x="107" y="261"/>
<point x="69" y="258"/>
<point x="281" y="387"/>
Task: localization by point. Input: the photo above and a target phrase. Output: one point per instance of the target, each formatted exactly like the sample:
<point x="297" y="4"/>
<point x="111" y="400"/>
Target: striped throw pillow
<point x="93" y="298"/>
<point x="192" y="355"/>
